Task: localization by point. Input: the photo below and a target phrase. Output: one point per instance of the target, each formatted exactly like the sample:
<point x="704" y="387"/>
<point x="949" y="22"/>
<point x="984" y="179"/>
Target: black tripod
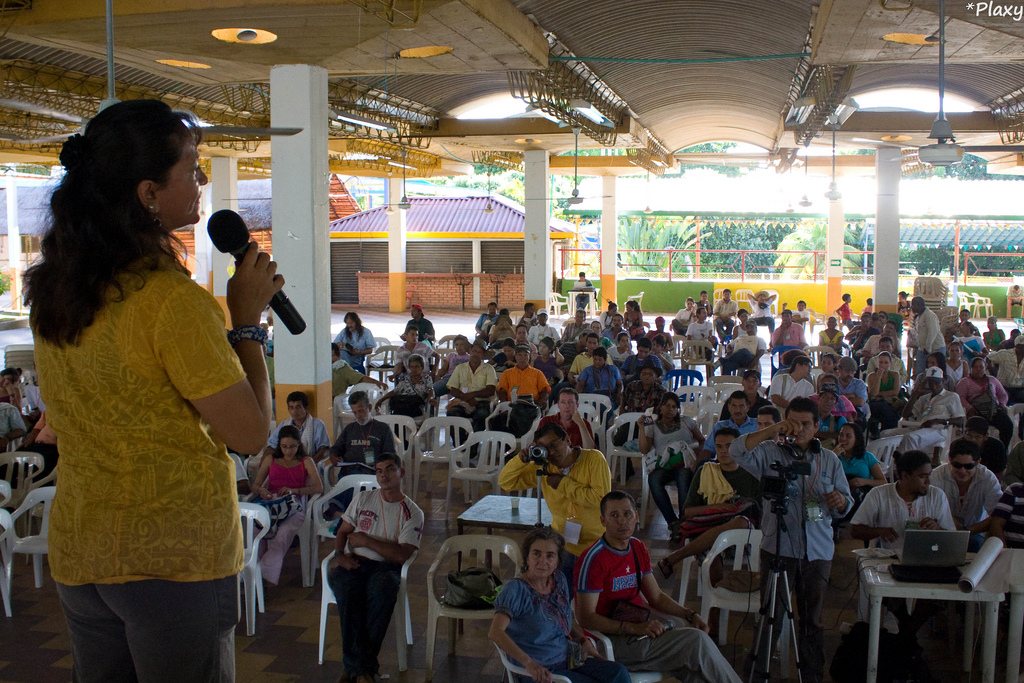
<point x="541" y="473"/>
<point x="777" y="574"/>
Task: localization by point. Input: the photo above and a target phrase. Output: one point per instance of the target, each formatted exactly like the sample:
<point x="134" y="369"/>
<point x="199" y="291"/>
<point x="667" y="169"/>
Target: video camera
<point x="776" y="487"/>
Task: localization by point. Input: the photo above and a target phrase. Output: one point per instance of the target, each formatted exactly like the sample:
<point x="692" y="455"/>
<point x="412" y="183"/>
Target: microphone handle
<point x="286" y="313"/>
<point x="280" y="303"/>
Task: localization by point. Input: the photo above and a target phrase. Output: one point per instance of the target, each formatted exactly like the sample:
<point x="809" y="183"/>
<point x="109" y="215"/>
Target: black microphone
<point x="229" y="234"/>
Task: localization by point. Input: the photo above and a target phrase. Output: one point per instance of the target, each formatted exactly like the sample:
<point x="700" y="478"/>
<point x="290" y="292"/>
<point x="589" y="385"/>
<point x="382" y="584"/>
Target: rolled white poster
<point x="975" y="571"/>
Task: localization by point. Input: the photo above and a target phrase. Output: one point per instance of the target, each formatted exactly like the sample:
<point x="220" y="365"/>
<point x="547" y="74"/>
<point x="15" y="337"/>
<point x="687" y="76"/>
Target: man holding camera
<point x="574" y="481"/>
<point x="808" y="482"/>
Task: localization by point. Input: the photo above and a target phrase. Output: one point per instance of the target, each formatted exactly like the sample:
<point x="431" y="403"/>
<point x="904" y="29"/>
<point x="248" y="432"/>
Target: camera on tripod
<point x="776" y="487"/>
<point x="538" y="455"/>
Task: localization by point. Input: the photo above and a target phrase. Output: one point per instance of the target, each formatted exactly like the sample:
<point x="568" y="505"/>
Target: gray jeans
<point x="685" y="653"/>
<point x="152" y="631"/>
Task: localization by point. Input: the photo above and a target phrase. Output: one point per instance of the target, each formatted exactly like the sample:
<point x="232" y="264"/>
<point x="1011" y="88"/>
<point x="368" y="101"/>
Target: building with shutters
<point x="445" y="236"/>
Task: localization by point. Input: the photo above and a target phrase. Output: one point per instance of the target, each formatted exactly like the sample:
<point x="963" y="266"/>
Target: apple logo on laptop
<point x="935" y="548"/>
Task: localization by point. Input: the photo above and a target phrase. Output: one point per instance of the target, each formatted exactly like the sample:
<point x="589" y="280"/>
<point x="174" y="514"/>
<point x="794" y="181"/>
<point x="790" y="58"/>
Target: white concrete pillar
<point x="223" y="191"/>
<point x="887" y="229"/>
<point x="203" y="252"/>
<point x="396" y="246"/>
<point x="834" y="255"/>
<point x="609" y="239"/>
<point x="477" y="267"/>
<point x="537" y="249"/>
<point x="299" y="187"/>
<point x="13" y="240"/>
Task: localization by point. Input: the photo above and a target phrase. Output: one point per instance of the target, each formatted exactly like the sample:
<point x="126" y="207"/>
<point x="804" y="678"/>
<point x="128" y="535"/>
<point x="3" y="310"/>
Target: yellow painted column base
<point x="609" y="288"/>
<point x="887" y="308"/>
<point x="834" y="294"/>
<point x="539" y="303"/>
<point x="396" y="292"/>
<point x="320" y="403"/>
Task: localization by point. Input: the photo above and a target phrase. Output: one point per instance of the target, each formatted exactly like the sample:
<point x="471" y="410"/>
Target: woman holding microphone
<point x="144" y="390"/>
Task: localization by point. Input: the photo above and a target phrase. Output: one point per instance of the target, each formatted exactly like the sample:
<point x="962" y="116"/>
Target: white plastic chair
<point x="382" y="361"/>
<point x="694" y="353"/>
<point x="36" y="545"/>
<point x="517" y="673"/>
<point x="320" y="528"/>
<point x="883" y="450"/>
<point x="492" y="447"/>
<point x="251" y="576"/>
<point x="595" y="406"/>
<point x="556" y="302"/>
<point x="634" y="676"/>
<point x="435" y="442"/>
<point x="600" y="436"/>
<point x="464" y="547"/>
<point x="403" y="429"/>
<point x="24" y="467"/>
<point x="725" y="379"/>
<point x="746" y="544"/>
<point x="403" y="626"/>
<point x="692" y="398"/>
<point x="5" y="492"/>
<point x="6" y="531"/>
<point x="617" y="455"/>
<point x="708" y="415"/>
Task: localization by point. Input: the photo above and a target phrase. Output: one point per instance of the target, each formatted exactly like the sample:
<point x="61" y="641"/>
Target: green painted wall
<point x="663" y="296"/>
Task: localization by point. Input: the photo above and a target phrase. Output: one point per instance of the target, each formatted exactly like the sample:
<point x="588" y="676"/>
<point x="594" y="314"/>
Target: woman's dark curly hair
<point x="99" y="230"/>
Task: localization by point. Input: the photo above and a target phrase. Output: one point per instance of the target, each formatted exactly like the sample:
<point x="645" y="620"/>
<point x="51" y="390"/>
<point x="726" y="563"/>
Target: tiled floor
<point x="34" y="644"/>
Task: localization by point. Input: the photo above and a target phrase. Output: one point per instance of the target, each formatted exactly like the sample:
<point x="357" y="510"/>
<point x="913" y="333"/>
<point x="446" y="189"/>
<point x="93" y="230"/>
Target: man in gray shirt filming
<point x="814" y="499"/>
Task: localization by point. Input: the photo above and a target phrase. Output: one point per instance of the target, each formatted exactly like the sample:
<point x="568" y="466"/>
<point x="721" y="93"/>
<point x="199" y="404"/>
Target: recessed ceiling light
<point x="425" y="51"/>
<point x="896" y="138"/>
<point x="245" y="36"/>
<point x="528" y="141"/>
<point x="183" y="64"/>
<point x="908" y="38"/>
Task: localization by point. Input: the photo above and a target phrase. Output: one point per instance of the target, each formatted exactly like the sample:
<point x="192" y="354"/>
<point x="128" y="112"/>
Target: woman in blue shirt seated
<point x="533" y="621"/>
<point x="863" y="471"/>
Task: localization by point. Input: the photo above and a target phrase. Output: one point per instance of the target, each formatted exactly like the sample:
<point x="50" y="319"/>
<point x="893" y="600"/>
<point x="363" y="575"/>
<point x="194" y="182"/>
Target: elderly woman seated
<point x="533" y="619"/>
<point x="413" y="390"/>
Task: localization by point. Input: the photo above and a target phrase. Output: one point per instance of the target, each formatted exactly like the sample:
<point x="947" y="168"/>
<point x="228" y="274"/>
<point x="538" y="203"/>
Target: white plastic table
<point x="879" y="583"/>
<point x="1014" y="633"/>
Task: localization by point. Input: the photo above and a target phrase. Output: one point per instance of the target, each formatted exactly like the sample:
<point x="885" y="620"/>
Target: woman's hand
<point x="249" y="290"/>
<point x="537" y="672"/>
<point x="285" y="492"/>
<point x="589" y="650"/>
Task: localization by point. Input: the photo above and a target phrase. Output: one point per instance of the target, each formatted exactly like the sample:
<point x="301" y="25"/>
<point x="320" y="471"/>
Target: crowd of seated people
<point x="863" y="387"/>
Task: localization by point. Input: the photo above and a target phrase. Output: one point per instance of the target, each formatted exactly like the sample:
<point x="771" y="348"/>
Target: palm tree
<point x="811" y="237"/>
<point x="645" y="232"/>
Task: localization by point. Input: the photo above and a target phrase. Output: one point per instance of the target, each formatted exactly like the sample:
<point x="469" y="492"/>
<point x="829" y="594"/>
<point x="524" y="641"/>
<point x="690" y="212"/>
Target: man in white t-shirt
<point x="929" y="411"/>
<point x="971" y="488"/>
<point x="746" y="351"/>
<point x="701" y="327"/>
<point x="379" y="531"/>
<point x="889" y="510"/>
<point x="541" y="330"/>
<point x="794" y="384"/>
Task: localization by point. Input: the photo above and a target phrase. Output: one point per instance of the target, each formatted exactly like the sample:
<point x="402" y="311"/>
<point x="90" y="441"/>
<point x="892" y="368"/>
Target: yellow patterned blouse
<point x="145" y="491"/>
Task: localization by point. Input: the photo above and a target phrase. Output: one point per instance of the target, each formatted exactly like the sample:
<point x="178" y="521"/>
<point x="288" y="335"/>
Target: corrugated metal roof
<point x="979" y="82"/>
<point x="448" y="215"/>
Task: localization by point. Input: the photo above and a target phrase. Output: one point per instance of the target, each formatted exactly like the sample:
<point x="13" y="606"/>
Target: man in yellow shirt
<point x="576" y="481"/>
<point x="528" y="380"/>
<point x="585" y="359"/>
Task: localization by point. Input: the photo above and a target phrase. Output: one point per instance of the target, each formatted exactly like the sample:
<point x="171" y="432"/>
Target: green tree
<point x="811" y="237"/>
<point x="645" y="232"/>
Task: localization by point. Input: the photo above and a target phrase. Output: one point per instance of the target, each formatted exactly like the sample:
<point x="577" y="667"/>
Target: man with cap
<point x="1010" y="369"/>
<point x="725" y="310"/>
<point x="528" y="380"/>
<point x="929" y="411"/>
<point x="746" y="351"/>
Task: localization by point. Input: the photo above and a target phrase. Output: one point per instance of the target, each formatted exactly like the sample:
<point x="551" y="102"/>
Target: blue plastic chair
<point x="677" y="378"/>
<point x="781" y="351"/>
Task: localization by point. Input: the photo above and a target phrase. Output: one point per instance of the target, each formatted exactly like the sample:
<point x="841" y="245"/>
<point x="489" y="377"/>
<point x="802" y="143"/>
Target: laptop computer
<point x="931" y="556"/>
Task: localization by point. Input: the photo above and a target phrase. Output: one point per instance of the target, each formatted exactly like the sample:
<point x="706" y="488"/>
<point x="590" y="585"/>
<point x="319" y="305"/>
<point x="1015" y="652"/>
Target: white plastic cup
<point x="515" y="505"/>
